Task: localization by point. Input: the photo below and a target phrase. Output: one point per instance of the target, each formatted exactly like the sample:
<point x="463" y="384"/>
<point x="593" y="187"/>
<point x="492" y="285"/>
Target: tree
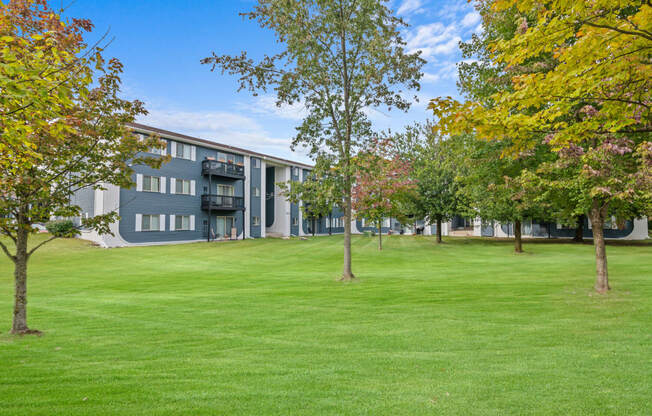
<point x="490" y="166"/>
<point x="38" y="56"/>
<point x="80" y="142"/>
<point x="316" y="196"/>
<point x="339" y="58"/>
<point x="437" y="195"/>
<point x="593" y="101"/>
<point x="382" y="179"/>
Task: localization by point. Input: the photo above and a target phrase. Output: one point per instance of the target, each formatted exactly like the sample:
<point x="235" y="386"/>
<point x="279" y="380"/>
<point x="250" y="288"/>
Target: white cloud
<point x="222" y="127"/>
<point x="266" y="104"/>
<point x="451" y="10"/>
<point x="433" y="39"/>
<point x="444" y="71"/>
<point x="471" y="19"/>
<point x="410" y="7"/>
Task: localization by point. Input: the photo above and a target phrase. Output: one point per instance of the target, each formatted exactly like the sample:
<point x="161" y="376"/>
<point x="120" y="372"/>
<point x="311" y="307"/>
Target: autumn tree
<point x="490" y="166"/>
<point x="382" y="180"/>
<point x="591" y="102"/>
<point x="338" y="59"/>
<point x="78" y="141"/>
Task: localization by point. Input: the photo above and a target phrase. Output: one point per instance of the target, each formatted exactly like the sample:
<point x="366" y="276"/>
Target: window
<point x="182" y="187"/>
<point x="184" y="151"/>
<point x="160" y="150"/>
<point x="182" y="222"/>
<point x="151" y="223"/>
<point x="255" y="221"/>
<point x="295" y="221"/>
<point x="225" y="190"/>
<point x="256" y="191"/>
<point x="151" y="183"/>
<point x="255" y="162"/>
<point x="296" y="171"/>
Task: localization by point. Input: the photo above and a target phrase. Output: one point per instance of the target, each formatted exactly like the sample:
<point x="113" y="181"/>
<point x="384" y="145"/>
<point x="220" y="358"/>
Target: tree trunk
<point x="19" y="325"/>
<point x="518" y="244"/>
<point x="598" y="215"/>
<point x="313" y="226"/>
<point x="438" y="230"/>
<point x="330" y="223"/>
<point x="380" y="236"/>
<point x="579" y="230"/>
<point x="347" y="274"/>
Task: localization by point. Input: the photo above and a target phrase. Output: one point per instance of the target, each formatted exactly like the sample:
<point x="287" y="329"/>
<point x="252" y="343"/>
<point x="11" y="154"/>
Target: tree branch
<point x="29" y="253"/>
<point x="6" y="250"/>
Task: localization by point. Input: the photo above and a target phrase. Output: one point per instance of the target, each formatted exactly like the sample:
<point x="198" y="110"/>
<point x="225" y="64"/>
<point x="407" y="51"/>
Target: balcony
<point x="224" y="169"/>
<point x="222" y="203"/>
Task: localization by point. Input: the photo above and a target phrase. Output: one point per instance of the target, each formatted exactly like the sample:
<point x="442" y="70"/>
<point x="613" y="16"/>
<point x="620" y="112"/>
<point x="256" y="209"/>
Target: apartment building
<point x="207" y="191"/>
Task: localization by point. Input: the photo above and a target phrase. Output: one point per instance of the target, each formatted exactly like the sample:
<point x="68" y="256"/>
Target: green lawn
<point x="264" y="327"/>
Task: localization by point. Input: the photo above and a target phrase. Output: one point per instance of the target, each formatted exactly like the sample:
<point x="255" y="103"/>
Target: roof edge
<point x="215" y="145"/>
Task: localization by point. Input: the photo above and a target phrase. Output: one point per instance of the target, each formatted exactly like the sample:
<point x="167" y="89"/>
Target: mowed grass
<point x="263" y="327"/>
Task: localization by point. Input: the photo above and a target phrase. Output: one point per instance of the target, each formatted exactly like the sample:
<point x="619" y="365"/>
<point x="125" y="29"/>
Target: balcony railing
<point x="222" y="202"/>
<point x="217" y="168"/>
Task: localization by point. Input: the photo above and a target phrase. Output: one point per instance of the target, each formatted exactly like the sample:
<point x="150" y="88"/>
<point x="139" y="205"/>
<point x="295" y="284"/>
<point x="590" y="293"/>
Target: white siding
<point x="172" y="224"/>
<point x="162" y="184"/>
<point x="139" y="221"/>
<point x="173" y="185"/>
<point x="162" y="222"/>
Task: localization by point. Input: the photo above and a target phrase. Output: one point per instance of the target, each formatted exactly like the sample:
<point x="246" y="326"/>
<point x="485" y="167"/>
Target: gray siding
<point x="255" y="177"/>
<point x="270" y="178"/>
<point x="133" y="202"/>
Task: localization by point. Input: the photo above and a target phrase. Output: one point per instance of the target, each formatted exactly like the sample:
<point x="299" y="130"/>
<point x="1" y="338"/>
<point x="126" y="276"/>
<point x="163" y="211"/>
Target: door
<point x="223" y="227"/>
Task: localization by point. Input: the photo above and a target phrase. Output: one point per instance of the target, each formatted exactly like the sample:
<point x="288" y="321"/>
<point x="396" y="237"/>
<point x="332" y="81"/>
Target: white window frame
<point x="188" y="151"/>
<point x="231" y="187"/>
<point x="140" y="183"/>
<point x="295" y="221"/>
<point x="140" y="222"/>
<point x="184" y="221"/>
<point x="159" y="151"/>
<point x="256" y="192"/>
<point x="255" y="221"/>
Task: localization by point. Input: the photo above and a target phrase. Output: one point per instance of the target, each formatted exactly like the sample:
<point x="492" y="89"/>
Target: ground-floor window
<point x="151" y="222"/>
<point x="255" y="221"/>
<point x="182" y="222"/>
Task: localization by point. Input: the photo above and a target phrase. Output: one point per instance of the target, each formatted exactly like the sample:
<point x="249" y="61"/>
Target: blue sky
<point x="160" y="42"/>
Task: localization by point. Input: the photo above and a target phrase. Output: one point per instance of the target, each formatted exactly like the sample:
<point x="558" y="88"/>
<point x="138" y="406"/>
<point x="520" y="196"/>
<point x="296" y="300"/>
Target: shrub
<point x="62" y="228"/>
